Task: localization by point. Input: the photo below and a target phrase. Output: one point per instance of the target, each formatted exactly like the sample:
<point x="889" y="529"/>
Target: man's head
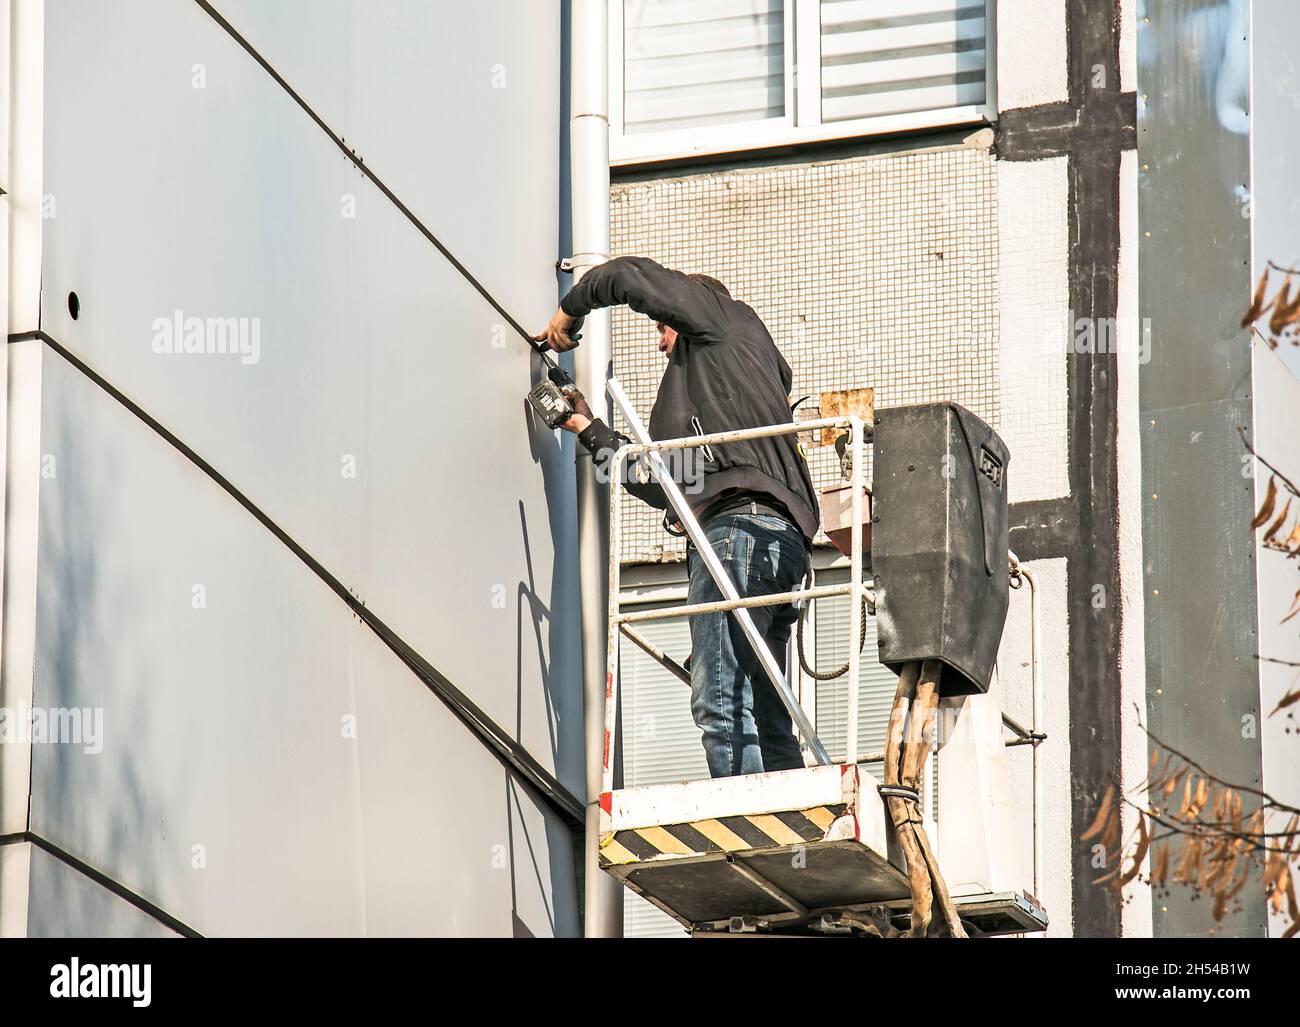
<point x="668" y="336"/>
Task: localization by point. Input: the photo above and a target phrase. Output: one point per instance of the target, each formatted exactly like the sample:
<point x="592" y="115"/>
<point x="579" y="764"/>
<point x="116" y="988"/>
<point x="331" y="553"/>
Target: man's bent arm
<point x="670" y="297"/>
<point x="600" y="440"/>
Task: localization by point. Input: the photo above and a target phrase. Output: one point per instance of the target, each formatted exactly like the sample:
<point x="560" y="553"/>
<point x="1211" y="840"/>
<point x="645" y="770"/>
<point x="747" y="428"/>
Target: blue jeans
<point x="746" y="727"/>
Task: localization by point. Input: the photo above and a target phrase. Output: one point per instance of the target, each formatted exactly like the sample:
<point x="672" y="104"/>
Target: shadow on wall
<point x="552" y="637"/>
<point x="82" y="664"/>
<point x="561" y="909"/>
<point x="557" y="642"/>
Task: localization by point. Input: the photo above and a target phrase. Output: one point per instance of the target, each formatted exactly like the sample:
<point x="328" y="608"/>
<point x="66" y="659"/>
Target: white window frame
<point x="802" y="120"/>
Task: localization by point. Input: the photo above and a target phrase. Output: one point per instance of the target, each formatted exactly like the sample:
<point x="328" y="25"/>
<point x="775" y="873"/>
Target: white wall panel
<point x="454" y="105"/>
<point x="65" y="903"/>
<point x="224" y="722"/>
<point x="22" y="473"/>
<point x="227" y="201"/>
<point x="15" y="878"/>
<point x="23" y="94"/>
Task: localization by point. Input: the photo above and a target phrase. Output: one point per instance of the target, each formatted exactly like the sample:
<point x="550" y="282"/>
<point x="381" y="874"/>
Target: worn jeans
<point x="746" y="727"/>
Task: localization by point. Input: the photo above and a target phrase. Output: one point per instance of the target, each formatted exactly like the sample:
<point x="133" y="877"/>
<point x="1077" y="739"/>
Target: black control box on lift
<point x="939" y="541"/>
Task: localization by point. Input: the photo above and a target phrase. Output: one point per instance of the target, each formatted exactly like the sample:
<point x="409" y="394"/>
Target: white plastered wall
<point x="1277" y="399"/>
<point x="1128" y="45"/>
<point x="1034" y="234"/>
<point x="1137" y="914"/>
<point x="1031" y="53"/>
<point x="1034" y="302"/>
<point x="1016" y="695"/>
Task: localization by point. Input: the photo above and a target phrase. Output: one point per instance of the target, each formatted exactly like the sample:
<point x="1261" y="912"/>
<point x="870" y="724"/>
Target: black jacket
<point x="724" y="373"/>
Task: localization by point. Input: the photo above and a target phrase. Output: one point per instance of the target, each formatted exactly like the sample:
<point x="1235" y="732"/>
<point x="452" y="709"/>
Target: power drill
<point x="552" y="397"/>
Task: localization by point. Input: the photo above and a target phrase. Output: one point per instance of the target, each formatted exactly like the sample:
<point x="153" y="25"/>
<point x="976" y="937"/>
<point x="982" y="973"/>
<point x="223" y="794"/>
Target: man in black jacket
<point x="755" y="498"/>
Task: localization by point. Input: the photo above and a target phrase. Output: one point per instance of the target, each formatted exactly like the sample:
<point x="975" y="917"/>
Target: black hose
<point x="803" y="660"/>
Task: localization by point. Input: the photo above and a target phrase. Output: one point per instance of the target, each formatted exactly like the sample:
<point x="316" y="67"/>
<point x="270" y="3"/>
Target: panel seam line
<point x="564" y="802"/>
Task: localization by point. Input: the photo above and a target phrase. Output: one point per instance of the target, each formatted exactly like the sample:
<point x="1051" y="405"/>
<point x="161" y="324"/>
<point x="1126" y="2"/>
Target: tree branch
<point x="1192" y="830"/>
<point x="1290" y="485"/>
<point x="1245" y="789"/>
<point x="1274" y="659"/>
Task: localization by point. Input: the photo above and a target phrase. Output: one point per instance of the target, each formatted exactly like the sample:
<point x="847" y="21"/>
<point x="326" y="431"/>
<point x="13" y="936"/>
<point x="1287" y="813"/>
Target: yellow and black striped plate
<point x="723" y="834"/>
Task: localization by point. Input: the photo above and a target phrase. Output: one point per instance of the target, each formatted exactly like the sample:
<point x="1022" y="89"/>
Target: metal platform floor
<point x="794" y="851"/>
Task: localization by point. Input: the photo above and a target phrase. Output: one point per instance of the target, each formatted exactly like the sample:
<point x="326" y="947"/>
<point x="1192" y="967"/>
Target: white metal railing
<point x="854" y="587"/>
<point x="732" y="601"/>
<point x="1034" y="735"/>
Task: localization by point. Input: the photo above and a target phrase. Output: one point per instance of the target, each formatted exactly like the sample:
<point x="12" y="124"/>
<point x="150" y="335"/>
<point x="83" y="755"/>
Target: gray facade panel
<point x="1194" y="393"/>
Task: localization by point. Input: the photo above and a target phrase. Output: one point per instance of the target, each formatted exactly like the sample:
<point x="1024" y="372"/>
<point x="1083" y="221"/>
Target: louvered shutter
<point x="876" y="684"/>
<point x="900" y="56"/>
<point x="695" y="63"/>
<point x="660" y="742"/>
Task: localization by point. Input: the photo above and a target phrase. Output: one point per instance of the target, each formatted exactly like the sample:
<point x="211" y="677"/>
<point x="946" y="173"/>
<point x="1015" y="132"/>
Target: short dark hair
<point x="712" y="283"/>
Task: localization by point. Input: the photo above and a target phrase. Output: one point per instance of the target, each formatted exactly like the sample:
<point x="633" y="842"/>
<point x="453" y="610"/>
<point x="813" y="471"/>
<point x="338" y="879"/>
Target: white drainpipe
<point x="589" y="184"/>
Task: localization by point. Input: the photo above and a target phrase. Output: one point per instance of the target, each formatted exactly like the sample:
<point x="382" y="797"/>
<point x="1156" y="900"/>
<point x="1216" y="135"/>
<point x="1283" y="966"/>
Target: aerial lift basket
<point x="811" y="850"/>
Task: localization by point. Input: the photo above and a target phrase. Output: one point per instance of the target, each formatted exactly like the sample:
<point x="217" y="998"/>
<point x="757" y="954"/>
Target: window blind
<point x="876" y="687"/>
<point x="876" y="684"/>
<point x="660" y="742"/>
<point x="694" y="63"/>
<point x="898" y="56"/>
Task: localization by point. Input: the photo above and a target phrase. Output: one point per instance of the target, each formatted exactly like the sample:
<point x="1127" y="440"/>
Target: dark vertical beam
<point x="1095" y="613"/>
<point x="1092" y="44"/>
<point x="1092" y="129"/>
